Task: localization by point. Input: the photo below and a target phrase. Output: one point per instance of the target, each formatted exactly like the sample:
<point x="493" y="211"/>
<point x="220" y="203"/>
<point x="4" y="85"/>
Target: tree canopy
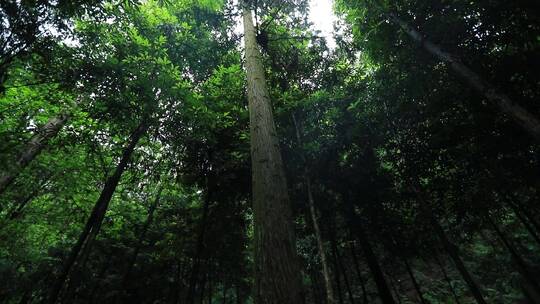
<point x="220" y="151"/>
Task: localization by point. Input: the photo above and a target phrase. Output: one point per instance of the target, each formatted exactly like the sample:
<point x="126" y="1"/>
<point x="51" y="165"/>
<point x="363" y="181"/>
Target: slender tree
<point x="199" y="251"/>
<point x="315" y="222"/>
<point x="371" y="259"/>
<point x="503" y="102"/>
<point x="277" y="272"/>
<point x="149" y="219"/>
<point x="358" y="272"/>
<point x="453" y="252"/>
<point x="446" y="277"/>
<point x="32" y="149"/>
<point x="93" y="224"/>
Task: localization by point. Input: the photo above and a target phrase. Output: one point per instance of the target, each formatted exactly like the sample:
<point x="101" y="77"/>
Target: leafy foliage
<point x="393" y="142"/>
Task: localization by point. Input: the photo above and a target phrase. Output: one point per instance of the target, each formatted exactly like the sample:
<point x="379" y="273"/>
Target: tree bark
<point x="277" y="271"/>
<point x="506" y="105"/>
<point x="93" y="223"/>
<point x="32" y="149"/>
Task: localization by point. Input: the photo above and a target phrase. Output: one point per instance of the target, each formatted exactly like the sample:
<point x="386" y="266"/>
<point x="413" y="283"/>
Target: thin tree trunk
<point x="447" y="278"/>
<point x="93" y="223"/>
<point x="413" y="280"/>
<point x="531" y="219"/>
<point x="384" y="292"/>
<point x="224" y="294"/>
<point x="382" y="286"/>
<point x="32" y="149"/>
<point x="453" y="251"/>
<point x="525" y="223"/>
<point x="99" y="278"/>
<point x="315" y="290"/>
<point x="198" y="251"/>
<point x="140" y="240"/>
<point x="519" y="114"/>
<point x="210" y="289"/>
<point x="530" y="213"/>
<point x="314" y="219"/>
<point x="203" y="288"/>
<point x="146" y="225"/>
<point x="175" y="286"/>
<point x="27" y="296"/>
<point x="394" y="285"/>
<point x="320" y="245"/>
<point x="337" y="272"/>
<point x="277" y="270"/>
<point x="238" y="296"/>
<point x="345" y="277"/>
<point x="522" y="266"/>
<point x="17" y="212"/>
<point x="359" y="273"/>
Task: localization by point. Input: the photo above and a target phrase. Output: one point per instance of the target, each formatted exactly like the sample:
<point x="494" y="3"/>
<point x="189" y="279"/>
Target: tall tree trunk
<point x="93" y="223"/>
<point x="453" y="251"/>
<point x="277" y="270"/>
<point x="519" y="114"/>
<point x="359" y="273"/>
<point x="371" y="259"/>
<point x="32" y="149"/>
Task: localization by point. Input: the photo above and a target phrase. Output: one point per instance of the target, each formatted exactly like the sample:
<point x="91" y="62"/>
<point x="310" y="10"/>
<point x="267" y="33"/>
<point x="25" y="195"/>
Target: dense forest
<point x="214" y="151"/>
